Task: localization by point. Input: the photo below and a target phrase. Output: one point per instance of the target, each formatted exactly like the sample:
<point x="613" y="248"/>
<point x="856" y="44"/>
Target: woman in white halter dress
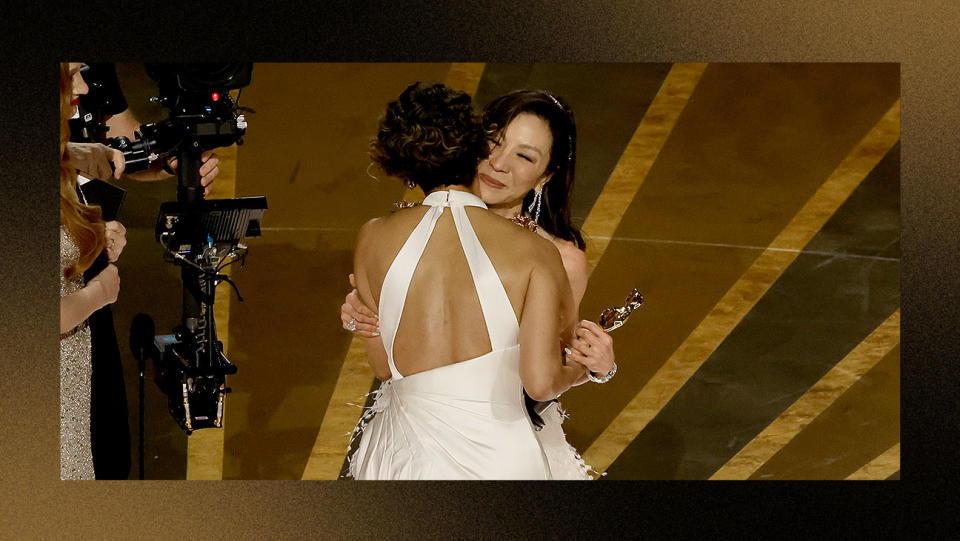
<point x="460" y="421"/>
<point x="533" y="156"/>
<point x="461" y="337"/>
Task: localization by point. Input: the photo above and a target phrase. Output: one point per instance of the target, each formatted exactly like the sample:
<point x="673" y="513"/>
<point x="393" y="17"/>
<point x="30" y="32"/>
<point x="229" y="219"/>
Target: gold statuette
<point x="613" y="318"/>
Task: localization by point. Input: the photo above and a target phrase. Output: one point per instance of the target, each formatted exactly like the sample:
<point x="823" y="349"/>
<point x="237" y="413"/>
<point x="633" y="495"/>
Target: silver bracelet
<point x="604" y="378"/>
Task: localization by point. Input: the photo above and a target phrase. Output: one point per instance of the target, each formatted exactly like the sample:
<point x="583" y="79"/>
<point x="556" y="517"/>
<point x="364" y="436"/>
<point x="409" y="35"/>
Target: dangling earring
<point x="410" y="184"/>
<point x="534" y="207"/>
<point x="369" y="174"/>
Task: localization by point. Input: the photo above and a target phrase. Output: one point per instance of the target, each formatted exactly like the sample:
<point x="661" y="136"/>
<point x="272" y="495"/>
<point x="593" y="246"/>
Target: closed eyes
<point x="494" y="143"/>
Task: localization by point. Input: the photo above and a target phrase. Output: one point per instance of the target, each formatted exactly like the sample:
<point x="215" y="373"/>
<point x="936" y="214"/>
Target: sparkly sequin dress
<point x="76" y="458"/>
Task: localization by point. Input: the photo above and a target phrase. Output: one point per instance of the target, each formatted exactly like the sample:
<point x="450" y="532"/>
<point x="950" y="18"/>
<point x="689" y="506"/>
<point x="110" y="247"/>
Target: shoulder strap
<point x="393" y="293"/>
<point x="502" y="326"/>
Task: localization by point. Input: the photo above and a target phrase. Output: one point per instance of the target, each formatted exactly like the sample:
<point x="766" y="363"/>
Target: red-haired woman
<point x="83" y="236"/>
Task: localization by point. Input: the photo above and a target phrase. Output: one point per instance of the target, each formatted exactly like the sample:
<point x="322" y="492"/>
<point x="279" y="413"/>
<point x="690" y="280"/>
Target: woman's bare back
<point x="442" y="320"/>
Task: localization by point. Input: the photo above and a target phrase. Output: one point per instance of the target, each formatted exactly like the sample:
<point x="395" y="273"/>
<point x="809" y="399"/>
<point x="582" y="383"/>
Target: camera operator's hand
<point x="116" y="236"/>
<point x="93" y="160"/>
<point x="208" y="171"/>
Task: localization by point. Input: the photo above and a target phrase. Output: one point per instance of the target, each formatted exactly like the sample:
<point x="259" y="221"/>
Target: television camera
<point x="201" y="236"/>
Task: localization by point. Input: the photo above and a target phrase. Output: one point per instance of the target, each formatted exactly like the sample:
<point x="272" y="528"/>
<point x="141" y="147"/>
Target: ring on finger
<point x="352" y="325"/>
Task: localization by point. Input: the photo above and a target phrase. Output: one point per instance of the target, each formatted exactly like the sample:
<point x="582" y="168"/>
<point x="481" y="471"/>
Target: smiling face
<point x="517" y="162"/>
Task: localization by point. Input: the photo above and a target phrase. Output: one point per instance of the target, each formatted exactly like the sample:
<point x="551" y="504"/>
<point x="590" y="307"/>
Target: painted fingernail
<point x="375" y="334"/>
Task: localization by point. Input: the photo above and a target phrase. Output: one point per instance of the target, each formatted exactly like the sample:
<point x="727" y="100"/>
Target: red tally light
<point x="215" y="96"/>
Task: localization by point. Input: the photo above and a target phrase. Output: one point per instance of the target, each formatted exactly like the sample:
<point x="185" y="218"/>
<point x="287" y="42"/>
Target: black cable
<point x="227" y="262"/>
<point x="225" y="278"/>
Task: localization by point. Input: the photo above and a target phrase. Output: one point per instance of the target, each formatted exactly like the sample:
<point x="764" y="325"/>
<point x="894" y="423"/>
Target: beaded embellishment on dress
<point x="76" y="457"/>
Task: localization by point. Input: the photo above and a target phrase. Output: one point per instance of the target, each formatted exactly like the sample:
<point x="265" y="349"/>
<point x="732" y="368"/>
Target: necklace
<point x="525" y="222"/>
<point x="405" y="204"/>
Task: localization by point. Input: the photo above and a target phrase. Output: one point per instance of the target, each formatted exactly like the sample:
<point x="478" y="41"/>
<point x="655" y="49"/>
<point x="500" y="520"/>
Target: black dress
<point x="109" y="422"/>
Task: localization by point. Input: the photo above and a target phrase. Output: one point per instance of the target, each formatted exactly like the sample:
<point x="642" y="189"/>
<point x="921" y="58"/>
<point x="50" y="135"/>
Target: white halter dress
<point x="460" y="421"/>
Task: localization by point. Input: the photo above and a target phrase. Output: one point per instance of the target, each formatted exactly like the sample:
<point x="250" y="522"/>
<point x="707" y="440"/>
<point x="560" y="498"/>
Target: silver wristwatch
<point x="604" y="378"/>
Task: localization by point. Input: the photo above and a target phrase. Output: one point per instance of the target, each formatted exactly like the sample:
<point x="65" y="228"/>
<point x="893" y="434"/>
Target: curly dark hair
<point x="430" y="136"/>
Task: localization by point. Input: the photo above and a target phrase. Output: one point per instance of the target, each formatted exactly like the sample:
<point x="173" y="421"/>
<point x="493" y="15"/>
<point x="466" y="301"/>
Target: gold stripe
<point x="881" y="467"/>
<point x="638" y="157"/>
<point x="330" y="447"/>
<point x="744" y="294"/>
<point x="205" y="447"/>
<point x="356" y="377"/>
<point x="814" y="402"/>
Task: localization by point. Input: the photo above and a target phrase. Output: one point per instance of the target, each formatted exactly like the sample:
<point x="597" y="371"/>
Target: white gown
<point x="465" y="420"/>
<point x="564" y="460"/>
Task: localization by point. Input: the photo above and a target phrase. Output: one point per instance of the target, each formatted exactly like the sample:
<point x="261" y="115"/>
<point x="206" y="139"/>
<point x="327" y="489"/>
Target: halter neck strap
<point x="453" y="198"/>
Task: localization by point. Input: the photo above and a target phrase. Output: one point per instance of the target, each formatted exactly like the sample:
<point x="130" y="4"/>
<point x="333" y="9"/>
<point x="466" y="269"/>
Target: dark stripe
<point x="753" y="144"/>
<point x="874" y="214"/>
<point x="819" y="310"/>
<point x="858" y="427"/>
